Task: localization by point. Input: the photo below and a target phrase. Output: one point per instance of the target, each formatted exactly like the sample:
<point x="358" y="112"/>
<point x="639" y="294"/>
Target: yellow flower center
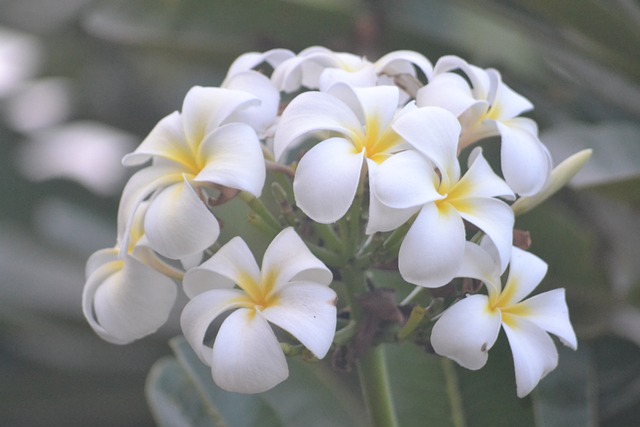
<point x="377" y="143"/>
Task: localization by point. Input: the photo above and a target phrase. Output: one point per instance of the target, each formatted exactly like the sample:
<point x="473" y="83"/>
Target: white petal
<point x="308" y="312"/>
<point x="433" y="249"/>
<point x="379" y="104"/>
<point x="364" y="77"/>
<point x="326" y="180"/>
<point x="100" y="258"/>
<point x="200" y="312"/>
<point x="263" y="115"/>
<point x="139" y="187"/>
<point x="250" y="60"/>
<point x="449" y="91"/>
<point x="247" y="357"/>
<point x="478" y="264"/>
<point x="495" y="218"/>
<point x="206" y="108"/>
<point x="534" y="354"/>
<point x="402" y="61"/>
<point x="525" y="161"/>
<point x="434" y="132"/>
<point x="165" y="140"/>
<point x="526" y="271"/>
<point x="480" y="180"/>
<point x="549" y="311"/>
<point x="466" y="331"/>
<point x="231" y="264"/>
<point x="178" y="224"/>
<point x="125" y="300"/>
<point x="509" y="102"/>
<point x="233" y="158"/>
<point x="382" y="217"/>
<point x="287" y="258"/>
<point x="405" y="180"/>
<point x="312" y="112"/>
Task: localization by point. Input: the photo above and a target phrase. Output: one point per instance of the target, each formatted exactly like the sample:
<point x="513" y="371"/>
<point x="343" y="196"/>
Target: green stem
<point x="372" y="370"/>
<point x="374" y="381"/>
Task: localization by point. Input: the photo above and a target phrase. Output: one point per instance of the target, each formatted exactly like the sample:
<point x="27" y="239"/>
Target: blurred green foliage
<point x="130" y="62"/>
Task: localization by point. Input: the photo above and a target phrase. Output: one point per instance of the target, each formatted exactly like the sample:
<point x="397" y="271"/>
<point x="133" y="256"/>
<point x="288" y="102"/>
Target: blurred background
<point x="83" y="81"/>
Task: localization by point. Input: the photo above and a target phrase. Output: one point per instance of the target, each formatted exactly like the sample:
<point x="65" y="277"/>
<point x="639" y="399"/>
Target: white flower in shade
<point x="290" y="292"/>
<point x="488" y="107"/>
<point x="467" y="330"/>
<point x="128" y="295"/>
<point x="327" y="176"/>
<point x="193" y="151"/>
<point x="428" y="180"/>
<point x="319" y="68"/>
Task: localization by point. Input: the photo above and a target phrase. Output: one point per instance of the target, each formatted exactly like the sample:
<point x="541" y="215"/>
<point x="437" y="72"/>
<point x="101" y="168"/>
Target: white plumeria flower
<point x="319" y="68"/>
<point x="128" y="295"/>
<point x="467" y="330"/>
<point x="192" y="151"/>
<point x="488" y="107"/>
<point x="291" y="292"/>
<point x="327" y="176"/>
<point x="243" y="76"/>
<point x="428" y="180"/>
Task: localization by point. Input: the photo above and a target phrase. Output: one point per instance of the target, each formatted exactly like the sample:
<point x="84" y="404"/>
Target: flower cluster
<point x="367" y="161"/>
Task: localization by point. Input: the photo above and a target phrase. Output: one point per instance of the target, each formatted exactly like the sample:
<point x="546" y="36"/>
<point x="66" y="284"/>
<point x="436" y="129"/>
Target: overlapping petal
<point x="288" y="259"/>
<point x="124" y="300"/>
<point x="308" y="312"/>
<point x="526" y="162"/>
<point x="233" y="158"/>
<point x="327" y="178"/>
<point x="466" y="331"/>
<point x="534" y="354"/>
<point x="178" y="224"/>
<point x="433" y="249"/>
<point x="246" y="356"/>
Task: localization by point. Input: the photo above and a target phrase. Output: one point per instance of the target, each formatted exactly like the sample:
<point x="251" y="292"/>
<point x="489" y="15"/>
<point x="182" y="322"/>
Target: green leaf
<point x="173" y="399"/>
<point x="312" y="396"/>
<point x="567" y="396"/>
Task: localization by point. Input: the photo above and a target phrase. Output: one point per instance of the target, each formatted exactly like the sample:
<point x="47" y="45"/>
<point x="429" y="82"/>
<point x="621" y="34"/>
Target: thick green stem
<point x="374" y="382"/>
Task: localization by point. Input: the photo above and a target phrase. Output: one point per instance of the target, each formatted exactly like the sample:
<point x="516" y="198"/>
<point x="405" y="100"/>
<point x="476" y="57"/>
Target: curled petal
<point x="125" y="300"/>
<point x="100" y="258"/>
<point x="200" y="312"/>
<point x="466" y="331"/>
<point x="478" y="264"/>
<point x="231" y="264"/>
<point x="364" y="77"/>
<point x="402" y="62"/>
<point x="326" y="180"/>
<point x="233" y="158"/>
<point x="525" y="161"/>
<point x="534" y="354"/>
<point x="308" y="312"/>
<point x="246" y="356"/>
<point x="287" y="259"/>
<point x="178" y="224"/>
<point x="549" y="311"/>
<point x="433" y="249"/>
<point x="250" y="60"/>
<point x="510" y="103"/>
